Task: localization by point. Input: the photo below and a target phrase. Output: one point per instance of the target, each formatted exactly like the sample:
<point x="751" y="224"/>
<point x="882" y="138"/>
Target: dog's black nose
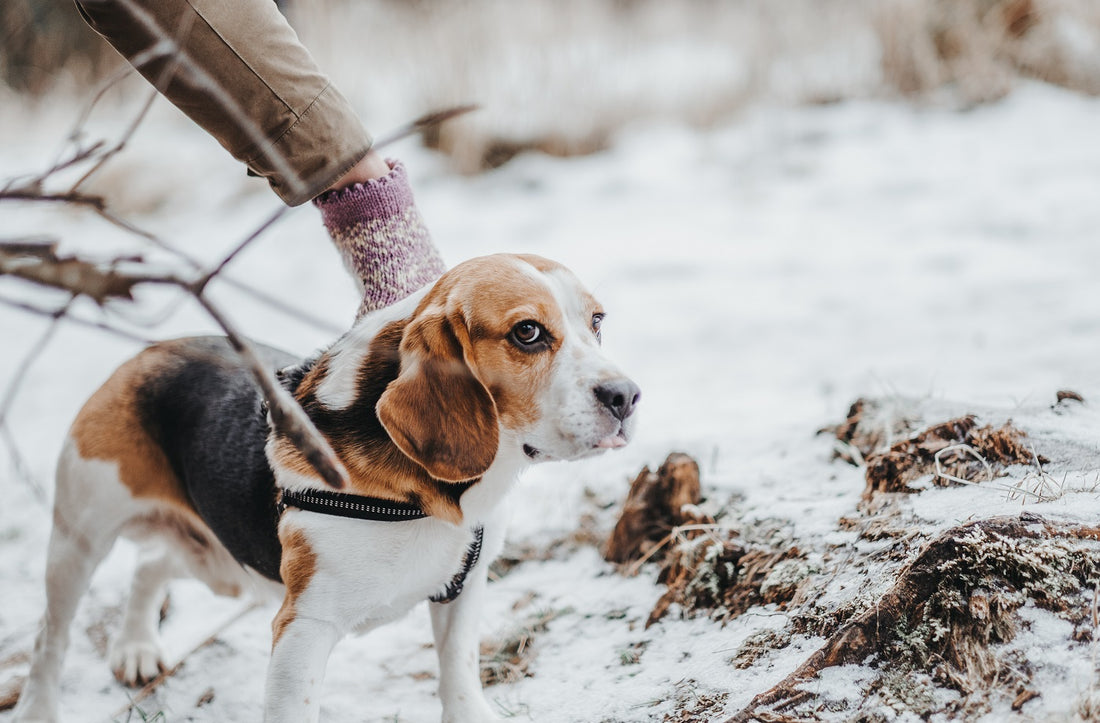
<point x="619" y="396"/>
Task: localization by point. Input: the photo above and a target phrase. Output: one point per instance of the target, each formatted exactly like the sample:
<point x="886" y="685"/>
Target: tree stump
<point x="657" y="503"/>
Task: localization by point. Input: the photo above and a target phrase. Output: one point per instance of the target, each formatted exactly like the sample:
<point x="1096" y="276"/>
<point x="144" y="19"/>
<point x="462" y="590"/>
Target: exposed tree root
<point x="953" y="600"/>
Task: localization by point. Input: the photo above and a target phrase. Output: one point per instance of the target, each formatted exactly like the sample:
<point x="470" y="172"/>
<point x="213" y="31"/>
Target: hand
<point x="369" y="167"/>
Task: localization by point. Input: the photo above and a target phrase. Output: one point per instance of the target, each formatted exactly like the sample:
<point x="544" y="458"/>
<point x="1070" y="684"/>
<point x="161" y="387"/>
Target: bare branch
<point x="25" y="193"/>
<point x="423" y="123"/>
<point x="30" y="245"/>
<point x="69" y="273"/>
<point x="82" y="277"/>
<point x="288" y="418"/>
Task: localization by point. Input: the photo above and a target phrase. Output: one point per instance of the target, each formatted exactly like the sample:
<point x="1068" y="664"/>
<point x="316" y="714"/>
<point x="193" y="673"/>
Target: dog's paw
<point x="136" y="662"/>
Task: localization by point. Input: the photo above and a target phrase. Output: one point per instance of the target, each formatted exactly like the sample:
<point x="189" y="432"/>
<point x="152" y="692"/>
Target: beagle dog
<point x="433" y="406"/>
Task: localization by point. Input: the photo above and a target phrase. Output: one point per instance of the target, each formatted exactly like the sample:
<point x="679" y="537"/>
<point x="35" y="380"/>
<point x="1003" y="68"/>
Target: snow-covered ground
<point x="759" y="277"/>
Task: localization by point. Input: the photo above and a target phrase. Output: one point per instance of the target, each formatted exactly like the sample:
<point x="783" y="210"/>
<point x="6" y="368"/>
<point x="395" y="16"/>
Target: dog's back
<point x="184" y="422"/>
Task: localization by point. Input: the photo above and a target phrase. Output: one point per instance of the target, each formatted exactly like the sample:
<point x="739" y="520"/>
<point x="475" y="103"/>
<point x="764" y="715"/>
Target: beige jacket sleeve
<point x="237" y="69"/>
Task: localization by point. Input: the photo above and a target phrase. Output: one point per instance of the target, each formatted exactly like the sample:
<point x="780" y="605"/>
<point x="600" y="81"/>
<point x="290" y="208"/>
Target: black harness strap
<point x="473" y="554"/>
<point x="342" y="504"/>
<point x="359" y="507"/>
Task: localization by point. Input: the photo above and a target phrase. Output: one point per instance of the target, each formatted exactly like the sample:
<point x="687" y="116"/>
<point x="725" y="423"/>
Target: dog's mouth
<point x="612" y="441"/>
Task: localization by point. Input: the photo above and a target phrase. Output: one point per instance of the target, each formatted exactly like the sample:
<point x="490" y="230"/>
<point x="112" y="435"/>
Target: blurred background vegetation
<point x="561" y="76"/>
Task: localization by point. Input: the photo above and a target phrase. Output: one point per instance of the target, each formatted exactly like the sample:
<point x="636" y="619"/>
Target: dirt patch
<point x="716" y="575"/>
<point x="952" y="451"/>
<point x="1068" y="395"/>
<point x="758" y="645"/>
<point x="950" y="606"/>
<point x="695" y="706"/>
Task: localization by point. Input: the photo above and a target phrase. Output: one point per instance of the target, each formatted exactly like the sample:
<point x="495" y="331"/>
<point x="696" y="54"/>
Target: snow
<point x="759" y="277"/>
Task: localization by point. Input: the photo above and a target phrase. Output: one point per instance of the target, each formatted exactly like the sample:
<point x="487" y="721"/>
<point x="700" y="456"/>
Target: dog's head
<point x="505" y="350"/>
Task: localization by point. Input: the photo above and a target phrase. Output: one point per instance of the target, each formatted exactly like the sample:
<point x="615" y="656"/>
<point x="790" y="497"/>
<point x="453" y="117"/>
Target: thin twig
<point x="117" y="147"/>
<point x="199" y="286"/>
<point x="98" y="325"/>
<point x="423" y="123"/>
<point x="677" y="532"/>
<point x="988" y="469"/>
<point x="24" y="367"/>
<point x="156" y="682"/>
<point x="30" y="245"/>
<point x="961" y="448"/>
<point x="419" y="125"/>
<point x="24" y="193"/>
<point x="165" y="78"/>
<point x="22" y="469"/>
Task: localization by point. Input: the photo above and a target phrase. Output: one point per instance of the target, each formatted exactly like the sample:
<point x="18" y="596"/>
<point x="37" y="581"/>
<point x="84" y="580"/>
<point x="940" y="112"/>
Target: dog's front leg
<point x="297" y="670"/>
<point x="455" y="625"/>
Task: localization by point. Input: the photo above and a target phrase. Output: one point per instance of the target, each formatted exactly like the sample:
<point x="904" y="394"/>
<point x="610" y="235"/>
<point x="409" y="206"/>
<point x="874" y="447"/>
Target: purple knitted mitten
<point x="382" y="238"/>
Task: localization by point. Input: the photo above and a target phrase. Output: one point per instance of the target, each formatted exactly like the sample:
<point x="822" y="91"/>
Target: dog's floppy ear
<point x="436" y="411"/>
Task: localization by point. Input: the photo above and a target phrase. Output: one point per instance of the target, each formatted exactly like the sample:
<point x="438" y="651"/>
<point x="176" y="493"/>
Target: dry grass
<point x="39" y="38"/>
<point x="979" y="47"/>
<point x="561" y="77"/>
<point x="507" y="658"/>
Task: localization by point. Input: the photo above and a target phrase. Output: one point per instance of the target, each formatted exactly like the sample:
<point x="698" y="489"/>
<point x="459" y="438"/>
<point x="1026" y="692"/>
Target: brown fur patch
<point x="298" y="566"/>
<point x="507" y="294"/>
<point x="376" y="467"/>
<point x="109" y="428"/>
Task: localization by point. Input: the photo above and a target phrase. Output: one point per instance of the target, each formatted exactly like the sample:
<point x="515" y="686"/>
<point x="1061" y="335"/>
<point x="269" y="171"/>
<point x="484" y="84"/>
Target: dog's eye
<point x="528" y="333"/>
<point x="597" y="320"/>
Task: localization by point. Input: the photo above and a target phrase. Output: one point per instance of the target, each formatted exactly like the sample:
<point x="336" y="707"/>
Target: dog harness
<point x="359" y="507"/>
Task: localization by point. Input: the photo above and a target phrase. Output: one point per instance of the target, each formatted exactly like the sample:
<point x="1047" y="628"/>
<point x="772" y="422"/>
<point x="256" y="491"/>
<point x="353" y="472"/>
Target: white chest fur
<point x="367" y="573"/>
